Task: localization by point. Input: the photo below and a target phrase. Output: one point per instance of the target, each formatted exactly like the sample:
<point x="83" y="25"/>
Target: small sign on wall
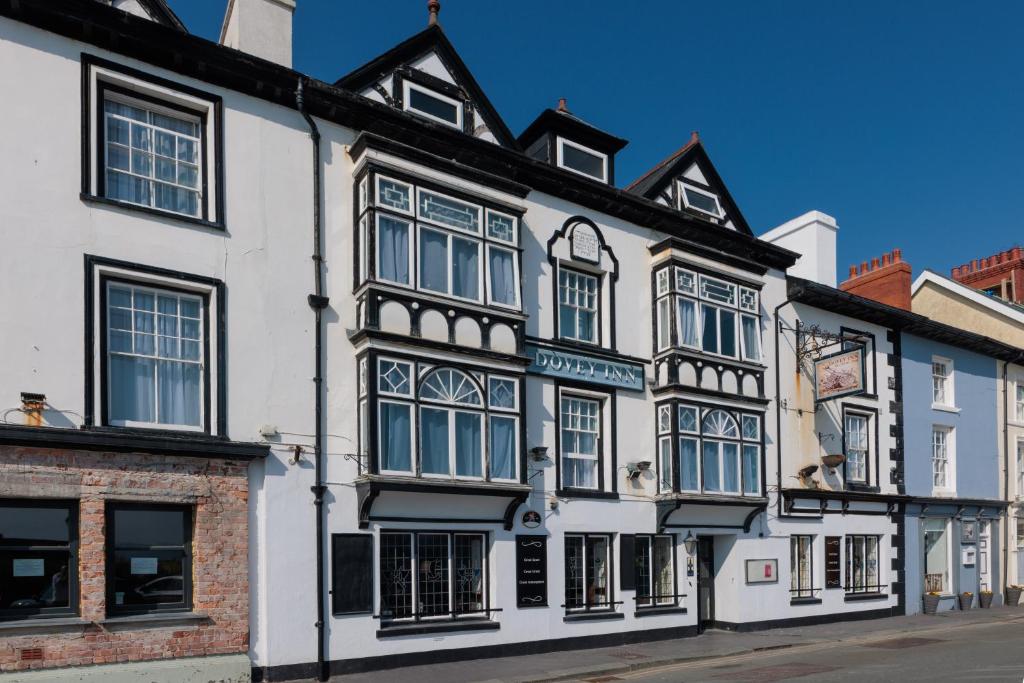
<point x="970" y="556"/>
<point x="968" y="531"/>
<point x="762" y="571"/>
<point x="531" y="571"/>
<point x="833" y="566"/>
<point x="585" y="245"/>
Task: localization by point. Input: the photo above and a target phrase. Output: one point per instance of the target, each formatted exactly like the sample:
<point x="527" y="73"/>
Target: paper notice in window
<point x="28" y="567"/>
<point x="143" y="565"/>
<point x="119" y="598"/>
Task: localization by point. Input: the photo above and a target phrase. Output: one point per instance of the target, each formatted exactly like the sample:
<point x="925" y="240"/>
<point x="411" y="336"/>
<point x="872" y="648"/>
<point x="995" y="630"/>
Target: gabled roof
<point x="564" y="122"/>
<point x="651" y="184"/>
<point x="844" y="303"/>
<point x="430" y="39"/>
<point x="160" y="12"/>
<point x="994" y="304"/>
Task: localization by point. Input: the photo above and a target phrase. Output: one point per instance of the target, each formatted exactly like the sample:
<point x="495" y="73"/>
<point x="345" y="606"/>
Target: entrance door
<point x="984" y="556"/>
<point x="705" y="581"/>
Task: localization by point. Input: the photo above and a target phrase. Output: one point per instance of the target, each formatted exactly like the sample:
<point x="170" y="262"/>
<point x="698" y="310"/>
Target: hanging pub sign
<point x="839" y="374"/>
<point x="833" y="567"/>
<point x="584" y="367"/>
<point x="531" y="571"/>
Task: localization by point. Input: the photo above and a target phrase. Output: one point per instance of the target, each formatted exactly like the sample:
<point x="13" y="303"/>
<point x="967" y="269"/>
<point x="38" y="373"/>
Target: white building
<point x="506" y="408"/>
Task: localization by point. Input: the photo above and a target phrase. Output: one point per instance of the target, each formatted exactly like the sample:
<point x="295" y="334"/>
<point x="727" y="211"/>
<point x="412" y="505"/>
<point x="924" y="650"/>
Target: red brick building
<point x="133" y="549"/>
<point x="1000" y="275"/>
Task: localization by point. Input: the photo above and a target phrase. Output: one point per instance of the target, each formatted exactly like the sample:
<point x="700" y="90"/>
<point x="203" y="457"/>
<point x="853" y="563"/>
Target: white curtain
<point x="178" y="384"/>
<point x="465" y="268"/>
<point x="687" y="322"/>
<point x="468" y="458"/>
<point x="433" y="261"/>
<point x="132" y="389"/>
<point x="503" y="278"/>
<point x="393" y="247"/>
<point x="434" y="440"/>
<point x="394" y="437"/>
<point x="503" y="443"/>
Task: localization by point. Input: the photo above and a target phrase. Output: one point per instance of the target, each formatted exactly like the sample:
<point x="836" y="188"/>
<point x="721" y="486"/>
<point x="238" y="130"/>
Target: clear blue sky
<point x="903" y="120"/>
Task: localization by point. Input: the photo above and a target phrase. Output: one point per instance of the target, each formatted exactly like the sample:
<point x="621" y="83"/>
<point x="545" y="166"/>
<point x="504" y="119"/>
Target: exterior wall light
<point x="690" y="543"/>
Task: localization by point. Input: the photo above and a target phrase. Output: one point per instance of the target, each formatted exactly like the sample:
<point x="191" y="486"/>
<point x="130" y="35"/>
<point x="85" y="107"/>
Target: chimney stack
<point x="262" y="28"/>
<point x="886" y="281"/>
<point x="813" y="236"/>
<point x="1001" y="274"/>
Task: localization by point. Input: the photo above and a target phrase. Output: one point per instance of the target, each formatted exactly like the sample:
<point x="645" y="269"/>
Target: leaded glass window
<point x="720" y="453"/>
<point x="655" y="581"/>
<point x="587" y="558"/>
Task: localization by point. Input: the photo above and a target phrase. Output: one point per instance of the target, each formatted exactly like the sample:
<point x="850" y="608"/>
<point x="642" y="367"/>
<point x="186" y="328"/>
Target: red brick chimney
<point x="1000" y="275"/>
<point x="887" y="282"/>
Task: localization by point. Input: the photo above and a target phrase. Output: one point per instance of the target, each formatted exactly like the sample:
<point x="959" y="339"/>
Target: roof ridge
<point x="694" y="139"/>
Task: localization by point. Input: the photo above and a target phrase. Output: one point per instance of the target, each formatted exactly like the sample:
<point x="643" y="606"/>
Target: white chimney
<point x="260" y="27"/>
<point x="813" y="236"/>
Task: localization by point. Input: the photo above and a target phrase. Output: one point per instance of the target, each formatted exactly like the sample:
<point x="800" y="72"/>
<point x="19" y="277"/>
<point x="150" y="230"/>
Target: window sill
<point x="448" y="626"/>
<point x="857" y="597"/>
<point x="944" y="408"/>
<point x="863" y="488"/>
<point x="657" y="611"/>
<point x="586" y="493"/>
<point x="36" y="624"/>
<point x="94" y="199"/>
<point x="793" y="602"/>
<point x="156" y="618"/>
<point x="593" y="616"/>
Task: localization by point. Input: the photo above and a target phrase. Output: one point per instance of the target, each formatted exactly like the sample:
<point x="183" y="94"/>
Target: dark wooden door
<point x="705" y="581"/>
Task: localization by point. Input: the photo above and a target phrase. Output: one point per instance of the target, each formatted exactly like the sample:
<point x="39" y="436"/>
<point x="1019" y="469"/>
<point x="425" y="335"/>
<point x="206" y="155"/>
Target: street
<point x="975" y="652"/>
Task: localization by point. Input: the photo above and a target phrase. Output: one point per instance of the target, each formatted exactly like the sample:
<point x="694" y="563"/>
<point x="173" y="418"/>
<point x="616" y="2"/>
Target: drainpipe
<point x="318" y="302"/>
<point x="778" y="405"/>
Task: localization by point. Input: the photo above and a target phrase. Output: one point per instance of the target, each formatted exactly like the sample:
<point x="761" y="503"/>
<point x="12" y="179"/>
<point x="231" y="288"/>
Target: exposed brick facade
<point x="1001" y="274"/>
<point x="218" y="490"/>
<point x="887" y="281"/>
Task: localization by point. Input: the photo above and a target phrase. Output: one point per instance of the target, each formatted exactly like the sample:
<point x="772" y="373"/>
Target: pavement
<point x="665" y="660"/>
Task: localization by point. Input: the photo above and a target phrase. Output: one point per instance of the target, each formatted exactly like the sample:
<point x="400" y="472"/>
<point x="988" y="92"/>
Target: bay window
<point x="580" y="442"/>
<point x="587" y="584"/>
<point x="717" y="451"/>
<point x="432" y="575"/>
<point x="456" y="248"/>
<point x="708" y="314"/>
<point x="862" y="564"/>
<point x="466" y="424"/>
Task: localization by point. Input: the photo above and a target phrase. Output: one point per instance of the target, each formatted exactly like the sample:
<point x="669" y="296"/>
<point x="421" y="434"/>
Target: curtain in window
<point x="663" y="586"/>
<point x="664" y="322"/>
<point x="179" y="389"/>
<point x="731" y="467"/>
<point x="688" y="479"/>
<point x="665" y="464"/>
<point x="393" y="247"/>
<point x="751" y="346"/>
<point x="687" y="322"/>
<point x="132" y="390"/>
<point x="751" y="469"/>
<point x="468" y="460"/>
<point x="395" y="451"/>
<point x="503" y="443"/>
<point x="728" y="322"/>
<point x="503" y="277"/>
<point x="709" y="333"/>
<point x="434" y="261"/>
<point x="574" y="593"/>
<point x="465" y="268"/>
<point x="597" y="571"/>
<point x="712" y="482"/>
<point x="434" y="441"/>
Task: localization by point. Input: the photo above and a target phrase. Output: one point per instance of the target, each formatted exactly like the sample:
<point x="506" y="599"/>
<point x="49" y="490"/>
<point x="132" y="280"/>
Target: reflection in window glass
<point x="150" y="555"/>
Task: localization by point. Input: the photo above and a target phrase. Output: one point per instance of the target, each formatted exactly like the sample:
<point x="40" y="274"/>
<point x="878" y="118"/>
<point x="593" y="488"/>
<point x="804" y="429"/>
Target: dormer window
<point x="700" y="200"/>
<point x="432" y="105"/>
<point x="582" y="160"/>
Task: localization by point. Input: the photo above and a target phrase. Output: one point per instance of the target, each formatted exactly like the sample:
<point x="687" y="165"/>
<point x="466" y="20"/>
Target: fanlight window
<point x="451" y="386"/>
<point x="720" y="423"/>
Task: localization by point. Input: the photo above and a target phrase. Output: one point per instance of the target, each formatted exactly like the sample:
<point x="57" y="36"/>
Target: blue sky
<point x="903" y="120"/>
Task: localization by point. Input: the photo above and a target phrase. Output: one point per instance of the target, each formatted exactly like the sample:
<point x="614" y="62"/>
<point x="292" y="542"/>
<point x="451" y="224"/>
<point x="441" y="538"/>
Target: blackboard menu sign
<point x="532" y="571"/>
<point x="833" y="574"/>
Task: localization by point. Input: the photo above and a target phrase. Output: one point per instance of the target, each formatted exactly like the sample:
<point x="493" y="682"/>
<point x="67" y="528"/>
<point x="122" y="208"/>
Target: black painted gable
<point x="432" y="39"/>
<point x="659" y="184"/>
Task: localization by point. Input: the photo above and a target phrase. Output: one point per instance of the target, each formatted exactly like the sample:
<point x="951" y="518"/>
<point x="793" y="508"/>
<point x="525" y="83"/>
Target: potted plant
<point x="985" y="598"/>
<point x="931" y="602"/>
<point x="966" y="600"/>
<point x="1013" y="594"/>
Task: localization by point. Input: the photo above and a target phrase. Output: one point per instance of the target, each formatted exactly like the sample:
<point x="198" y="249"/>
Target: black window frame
<point x="110" y="549"/>
<point x="866" y="589"/>
<point x="799" y="593"/>
<point x="453" y="614"/>
<point x="72" y="547"/>
<point x="608" y="605"/>
<point x="94" y="138"/>
<point x="653" y="599"/>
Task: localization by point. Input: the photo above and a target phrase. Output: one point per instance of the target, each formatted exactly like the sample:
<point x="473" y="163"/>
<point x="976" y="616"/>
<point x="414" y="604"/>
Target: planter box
<point x="931" y="603"/>
<point x="966" y="601"/>
<point x="985" y="599"/>
<point x="1012" y="596"/>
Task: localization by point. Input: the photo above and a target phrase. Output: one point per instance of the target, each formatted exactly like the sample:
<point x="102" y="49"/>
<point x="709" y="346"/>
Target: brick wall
<point x="218" y="490"/>
<point x="887" y="280"/>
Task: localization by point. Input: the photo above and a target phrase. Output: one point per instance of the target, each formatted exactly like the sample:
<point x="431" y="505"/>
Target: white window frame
<point x="515" y="305"/>
<point x="411" y="236"/>
<point x="411" y="211"/>
<point x="512" y="413"/>
<point x="948" y="384"/>
<point x="515" y="227"/>
<point x="408" y="86"/>
<point x="413" y="431"/>
<point x="452" y="440"/>
<point x="420" y="191"/>
<point x="598" y="456"/>
<point x="718" y="328"/>
<point x="576" y="308"/>
<point x="450" y="235"/>
<point x="204" y="314"/>
<point x="949" y="486"/>
<point x="1020" y="467"/>
<point x="684" y="186"/>
<point x="949" y="567"/>
<point x="562" y="143"/>
<point x="866" y="417"/>
<point x="1019" y="400"/>
<point x="744" y="353"/>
